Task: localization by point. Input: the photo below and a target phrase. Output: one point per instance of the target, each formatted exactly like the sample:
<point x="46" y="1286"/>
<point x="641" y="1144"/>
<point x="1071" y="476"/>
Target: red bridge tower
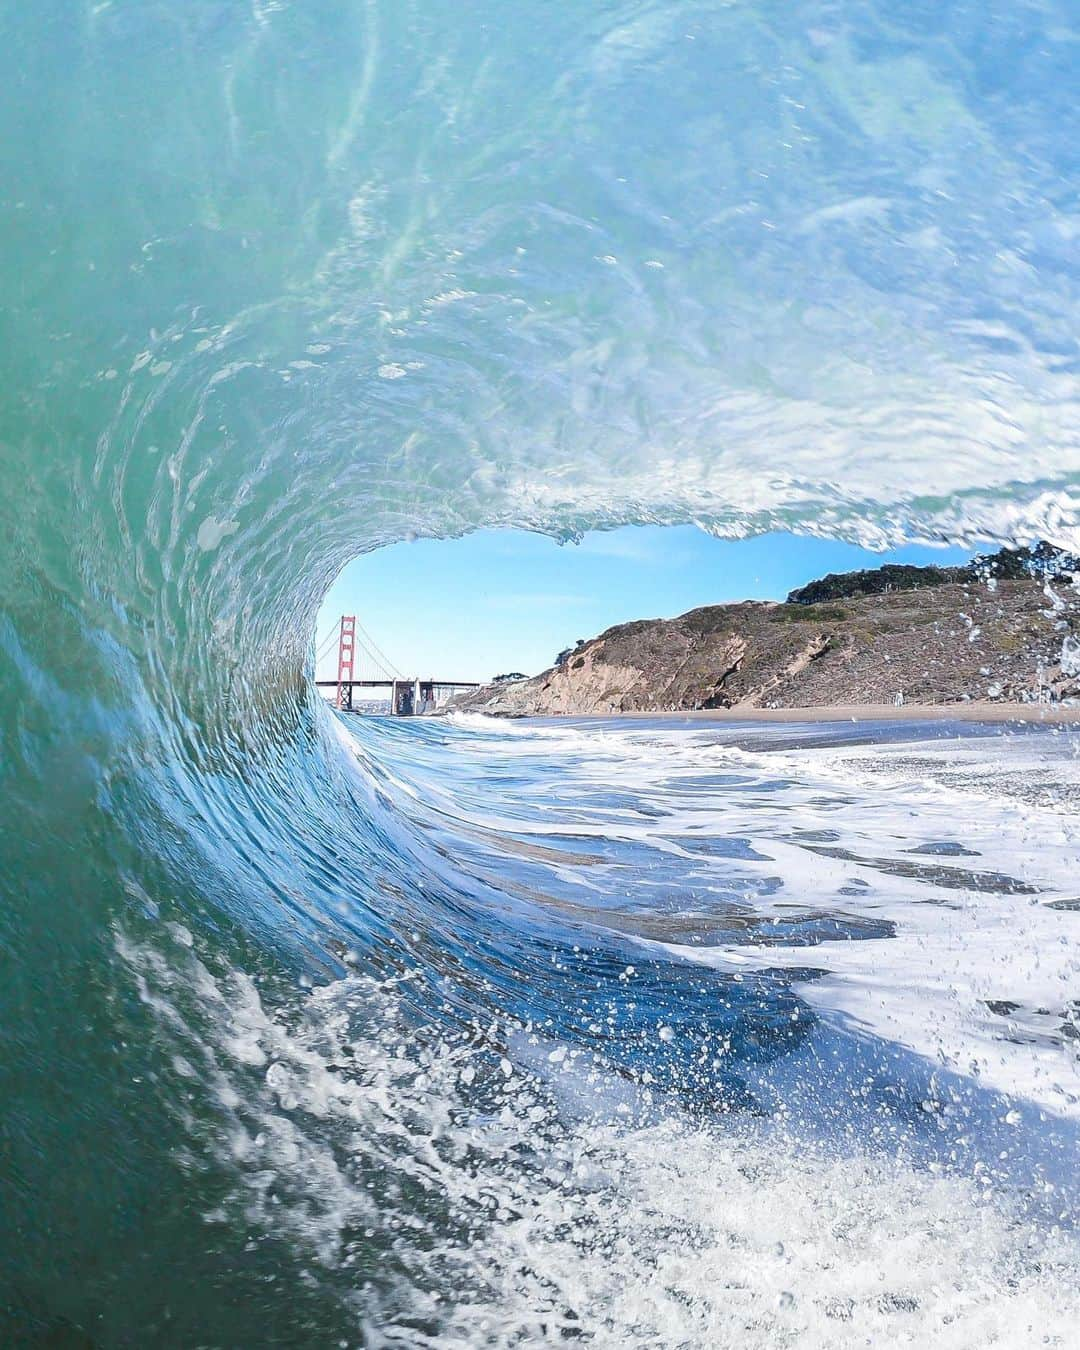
<point x="346" y="657"/>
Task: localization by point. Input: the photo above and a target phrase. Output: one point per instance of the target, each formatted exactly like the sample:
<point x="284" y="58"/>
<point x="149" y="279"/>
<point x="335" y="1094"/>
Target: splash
<point x="284" y="283"/>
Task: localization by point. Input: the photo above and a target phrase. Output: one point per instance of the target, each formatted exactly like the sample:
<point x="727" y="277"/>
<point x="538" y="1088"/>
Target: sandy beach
<point x="882" y="712"/>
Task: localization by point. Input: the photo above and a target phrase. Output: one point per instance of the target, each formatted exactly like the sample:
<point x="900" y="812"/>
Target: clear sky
<point x="500" y="601"/>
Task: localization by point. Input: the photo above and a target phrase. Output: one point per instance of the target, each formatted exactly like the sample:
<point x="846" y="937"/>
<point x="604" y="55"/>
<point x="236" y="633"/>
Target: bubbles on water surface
<point x="292" y="281"/>
<point x="441" y="1193"/>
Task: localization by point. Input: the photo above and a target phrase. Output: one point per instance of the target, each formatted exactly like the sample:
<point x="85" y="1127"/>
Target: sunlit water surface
<point x="740" y="1034"/>
<point x="471" y="1034"/>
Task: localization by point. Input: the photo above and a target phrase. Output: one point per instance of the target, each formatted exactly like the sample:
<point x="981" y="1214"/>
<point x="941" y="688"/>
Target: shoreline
<point x="1049" y="713"/>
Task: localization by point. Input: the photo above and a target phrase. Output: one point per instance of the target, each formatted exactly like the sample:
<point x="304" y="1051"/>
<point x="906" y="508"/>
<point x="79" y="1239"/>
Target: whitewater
<point x="363" y="1032"/>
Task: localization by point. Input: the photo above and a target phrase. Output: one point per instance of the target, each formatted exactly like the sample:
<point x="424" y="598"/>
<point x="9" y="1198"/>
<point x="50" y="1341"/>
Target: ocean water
<point x="448" y="1033"/>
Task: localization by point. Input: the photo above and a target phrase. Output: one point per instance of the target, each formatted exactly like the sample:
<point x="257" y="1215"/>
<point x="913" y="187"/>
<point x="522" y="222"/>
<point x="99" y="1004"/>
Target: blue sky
<point x="505" y="600"/>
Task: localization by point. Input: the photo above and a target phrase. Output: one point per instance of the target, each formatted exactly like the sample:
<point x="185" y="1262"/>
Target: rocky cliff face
<point x="1009" y="641"/>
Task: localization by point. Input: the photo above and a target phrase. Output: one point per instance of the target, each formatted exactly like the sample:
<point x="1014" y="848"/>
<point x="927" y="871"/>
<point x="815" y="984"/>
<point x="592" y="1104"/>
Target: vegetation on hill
<point x="1020" y="564"/>
<point x="924" y="635"/>
<point x="567" y="652"/>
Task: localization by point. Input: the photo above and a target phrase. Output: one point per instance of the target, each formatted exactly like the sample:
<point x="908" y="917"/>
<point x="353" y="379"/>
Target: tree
<point x="567" y="652"/>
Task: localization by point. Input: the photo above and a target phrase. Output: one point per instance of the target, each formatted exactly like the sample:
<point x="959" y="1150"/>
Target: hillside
<point x="949" y="642"/>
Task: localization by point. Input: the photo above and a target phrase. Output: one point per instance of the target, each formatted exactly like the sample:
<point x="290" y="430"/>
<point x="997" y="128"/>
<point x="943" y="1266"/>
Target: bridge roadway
<point x="407" y="697"/>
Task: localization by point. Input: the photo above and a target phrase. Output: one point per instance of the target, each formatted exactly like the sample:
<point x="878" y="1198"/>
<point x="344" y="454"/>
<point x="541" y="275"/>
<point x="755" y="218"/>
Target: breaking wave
<point x="406" y="1036"/>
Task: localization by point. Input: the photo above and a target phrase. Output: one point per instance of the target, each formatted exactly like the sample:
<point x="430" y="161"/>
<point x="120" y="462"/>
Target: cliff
<point x="1010" y="641"/>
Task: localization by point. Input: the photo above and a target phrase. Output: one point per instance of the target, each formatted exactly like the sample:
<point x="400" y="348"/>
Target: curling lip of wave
<point x="287" y="281"/>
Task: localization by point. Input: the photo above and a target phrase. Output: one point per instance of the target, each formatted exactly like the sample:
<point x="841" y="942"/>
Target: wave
<point x="285" y="283"/>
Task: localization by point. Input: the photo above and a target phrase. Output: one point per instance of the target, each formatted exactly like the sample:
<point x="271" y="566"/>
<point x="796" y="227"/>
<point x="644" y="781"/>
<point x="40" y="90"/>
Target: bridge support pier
<point x="403" y="698"/>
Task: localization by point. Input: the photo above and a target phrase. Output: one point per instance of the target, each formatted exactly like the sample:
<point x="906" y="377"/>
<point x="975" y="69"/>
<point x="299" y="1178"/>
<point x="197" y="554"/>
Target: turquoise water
<point x="284" y="282"/>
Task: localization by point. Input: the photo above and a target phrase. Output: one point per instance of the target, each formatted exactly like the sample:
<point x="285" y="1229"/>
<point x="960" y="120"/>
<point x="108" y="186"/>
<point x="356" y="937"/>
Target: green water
<point x="282" y="282"/>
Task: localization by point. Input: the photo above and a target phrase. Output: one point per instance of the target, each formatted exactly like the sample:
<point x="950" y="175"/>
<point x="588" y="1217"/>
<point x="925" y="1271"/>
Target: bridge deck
<point x="385" y="684"/>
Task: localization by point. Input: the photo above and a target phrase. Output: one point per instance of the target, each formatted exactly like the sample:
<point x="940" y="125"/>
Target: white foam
<point x="526" y="1221"/>
<point x="971" y="932"/>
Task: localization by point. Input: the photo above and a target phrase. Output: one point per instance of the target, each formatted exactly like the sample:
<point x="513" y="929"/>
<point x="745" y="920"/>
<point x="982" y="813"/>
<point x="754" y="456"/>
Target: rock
<point x="947" y="643"/>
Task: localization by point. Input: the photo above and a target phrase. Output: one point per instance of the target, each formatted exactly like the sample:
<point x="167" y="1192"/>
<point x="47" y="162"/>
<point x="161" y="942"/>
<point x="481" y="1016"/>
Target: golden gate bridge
<point x="409" y="696"/>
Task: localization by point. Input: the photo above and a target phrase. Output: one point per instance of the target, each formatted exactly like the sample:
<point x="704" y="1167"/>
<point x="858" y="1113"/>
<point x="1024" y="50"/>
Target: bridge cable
<point x="363" y="647"/>
<point x="387" y="665"/>
<point x="327" y="647"/>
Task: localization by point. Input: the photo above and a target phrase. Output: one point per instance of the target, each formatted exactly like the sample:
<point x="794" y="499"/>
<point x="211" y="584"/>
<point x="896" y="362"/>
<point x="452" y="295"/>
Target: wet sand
<point x="883" y="712"/>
